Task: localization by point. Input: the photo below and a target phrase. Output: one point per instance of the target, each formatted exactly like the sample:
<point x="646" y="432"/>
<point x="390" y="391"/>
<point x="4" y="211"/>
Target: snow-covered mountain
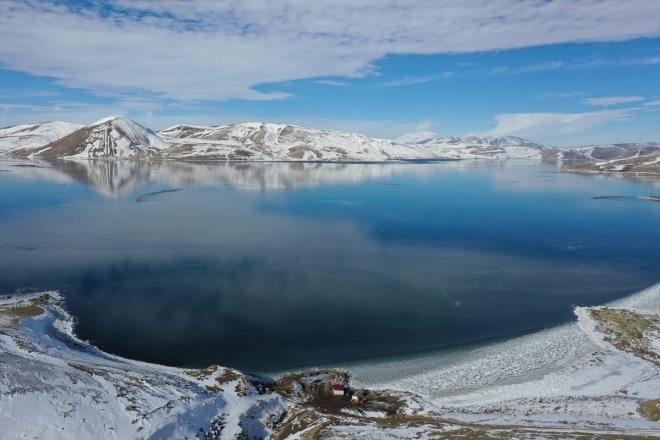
<point x="428" y="138"/>
<point x="30" y="136"/>
<point x="640" y="163"/>
<point x="118" y="137"/>
<point x="262" y="141"/>
<point x="475" y="147"/>
<point x="600" y="153"/>
<point x="110" y="137"/>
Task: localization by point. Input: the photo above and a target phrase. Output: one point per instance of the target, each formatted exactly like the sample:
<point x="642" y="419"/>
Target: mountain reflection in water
<point x="270" y="266"/>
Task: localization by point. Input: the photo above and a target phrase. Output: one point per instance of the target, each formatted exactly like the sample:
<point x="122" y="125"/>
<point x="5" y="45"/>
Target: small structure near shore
<point x="359" y="397"/>
<point x="338" y="390"/>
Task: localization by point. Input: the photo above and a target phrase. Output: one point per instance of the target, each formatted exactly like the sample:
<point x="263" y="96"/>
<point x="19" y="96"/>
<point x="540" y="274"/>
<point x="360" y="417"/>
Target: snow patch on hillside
<point x="53" y="385"/>
<point x="30" y="136"/>
<point x="475" y="147"/>
<point x="262" y="141"/>
<point x="119" y="137"/>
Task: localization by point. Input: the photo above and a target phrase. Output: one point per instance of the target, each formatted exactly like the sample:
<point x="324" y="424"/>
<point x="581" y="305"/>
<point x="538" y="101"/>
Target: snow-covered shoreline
<point x="563" y="376"/>
<point x="53" y="385"/>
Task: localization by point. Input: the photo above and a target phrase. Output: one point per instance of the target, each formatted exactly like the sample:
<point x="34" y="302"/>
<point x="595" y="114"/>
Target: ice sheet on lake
<point x="563" y="360"/>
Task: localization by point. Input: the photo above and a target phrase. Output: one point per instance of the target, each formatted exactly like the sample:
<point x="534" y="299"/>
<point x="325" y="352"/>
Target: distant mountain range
<point x="118" y="137"/>
<point x="647" y="162"/>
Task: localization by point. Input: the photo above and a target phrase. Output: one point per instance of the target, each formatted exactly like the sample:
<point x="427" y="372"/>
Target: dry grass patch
<point x="629" y="331"/>
<point x="298" y="152"/>
<point x="181" y="149"/>
<point x="649" y="409"/>
<point x="12" y="315"/>
<point x="25" y="311"/>
<point x="203" y="372"/>
<point x="391" y="406"/>
<point x="298" y="422"/>
<point x="222" y="376"/>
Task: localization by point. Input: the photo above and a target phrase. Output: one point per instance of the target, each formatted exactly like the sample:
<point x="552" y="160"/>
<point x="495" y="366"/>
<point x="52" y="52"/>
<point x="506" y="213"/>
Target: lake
<point x="269" y="267"/>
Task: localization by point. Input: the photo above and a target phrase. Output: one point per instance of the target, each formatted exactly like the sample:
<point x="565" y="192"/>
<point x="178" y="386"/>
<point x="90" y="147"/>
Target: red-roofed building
<point x="337" y="390"/>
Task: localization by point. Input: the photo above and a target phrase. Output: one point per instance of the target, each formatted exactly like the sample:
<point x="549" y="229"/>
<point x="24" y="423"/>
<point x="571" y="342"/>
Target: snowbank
<point x="563" y="376"/>
<point x="55" y="386"/>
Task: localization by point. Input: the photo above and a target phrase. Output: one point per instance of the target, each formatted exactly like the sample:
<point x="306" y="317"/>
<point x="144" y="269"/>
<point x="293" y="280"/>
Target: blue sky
<point x="557" y="72"/>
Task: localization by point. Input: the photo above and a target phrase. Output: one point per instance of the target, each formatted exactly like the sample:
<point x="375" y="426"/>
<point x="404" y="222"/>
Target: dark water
<point x="267" y="267"/>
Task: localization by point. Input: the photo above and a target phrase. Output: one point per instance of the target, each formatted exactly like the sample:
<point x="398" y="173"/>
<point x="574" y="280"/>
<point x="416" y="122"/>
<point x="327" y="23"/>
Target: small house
<point x="338" y="390"/>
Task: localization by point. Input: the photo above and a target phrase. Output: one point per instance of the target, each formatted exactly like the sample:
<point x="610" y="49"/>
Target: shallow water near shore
<point x="277" y="266"/>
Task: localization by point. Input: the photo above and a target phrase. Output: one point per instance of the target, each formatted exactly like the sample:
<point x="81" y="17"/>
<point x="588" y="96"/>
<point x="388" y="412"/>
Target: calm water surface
<point x="275" y="266"/>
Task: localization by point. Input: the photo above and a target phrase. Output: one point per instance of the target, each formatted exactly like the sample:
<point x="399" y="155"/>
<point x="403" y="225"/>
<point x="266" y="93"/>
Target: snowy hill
<point x="263" y="141"/>
<point x="502" y="141"/>
<point x="599" y="153"/>
<point x="427" y="138"/>
<point x="30" y="136"/>
<point x="475" y="147"/>
<point x="117" y="137"/>
<point x="641" y="163"/>
<point x="55" y="386"/>
<point x="110" y="137"/>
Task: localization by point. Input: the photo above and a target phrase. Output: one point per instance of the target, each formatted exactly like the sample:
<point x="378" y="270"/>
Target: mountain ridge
<point x="119" y="137"/>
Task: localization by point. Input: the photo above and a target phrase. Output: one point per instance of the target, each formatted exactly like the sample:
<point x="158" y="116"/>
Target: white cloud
<point x="611" y="100"/>
<point x="531" y="68"/>
<point x="580" y="64"/>
<point x="217" y="50"/>
<point x="652" y="103"/>
<point x="623" y="62"/>
<point x="407" y="81"/>
<point x="332" y="83"/>
<point x="553" y="127"/>
<point x="412" y="80"/>
<point x="570" y="94"/>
